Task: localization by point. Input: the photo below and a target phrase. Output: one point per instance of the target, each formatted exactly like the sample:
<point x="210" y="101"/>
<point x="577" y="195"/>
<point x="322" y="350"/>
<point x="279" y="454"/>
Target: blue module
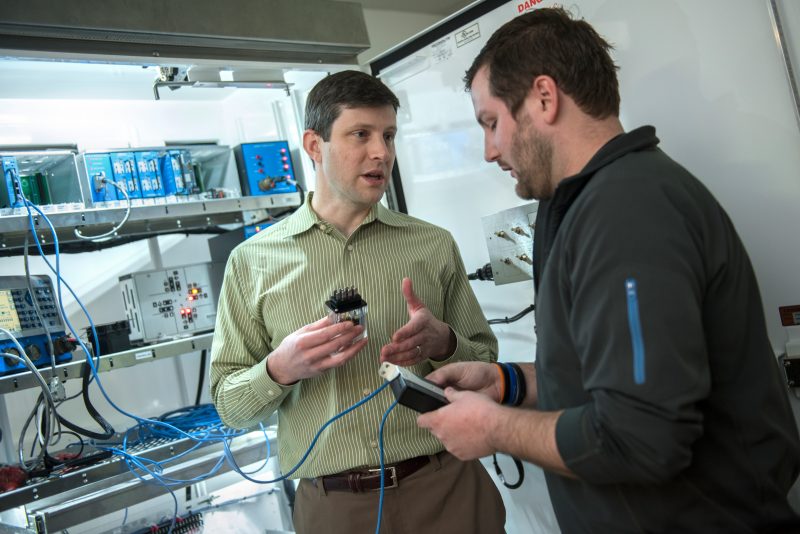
<point x="172" y="173"/>
<point x="36" y="347"/>
<point x="10" y="194"/>
<point x="265" y="168"/>
<point x="98" y="167"/>
<point x="149" y="174"/>
<point x="252" y="229"/>
<point x="18" y="315"/>
<point x="124" y="167"/>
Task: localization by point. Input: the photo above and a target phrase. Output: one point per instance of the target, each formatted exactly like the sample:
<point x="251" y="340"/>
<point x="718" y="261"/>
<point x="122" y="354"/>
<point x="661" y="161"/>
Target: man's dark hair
<point x="346" y="89"/>
<point x="548" y="41"/>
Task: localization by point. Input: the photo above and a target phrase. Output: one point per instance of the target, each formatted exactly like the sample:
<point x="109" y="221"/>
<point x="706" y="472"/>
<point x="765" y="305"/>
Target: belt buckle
<point x="392" y="472"/>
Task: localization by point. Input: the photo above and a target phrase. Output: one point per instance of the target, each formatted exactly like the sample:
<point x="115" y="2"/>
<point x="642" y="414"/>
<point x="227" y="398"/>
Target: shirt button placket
<point x="347" y="255"/>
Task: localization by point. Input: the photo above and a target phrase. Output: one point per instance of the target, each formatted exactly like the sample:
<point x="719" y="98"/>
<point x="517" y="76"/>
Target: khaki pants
<point x="446" y="496"/>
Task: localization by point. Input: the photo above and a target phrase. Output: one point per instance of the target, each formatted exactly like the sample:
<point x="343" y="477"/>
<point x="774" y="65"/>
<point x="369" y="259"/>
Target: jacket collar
<point x="551" y="212"/>
<point x="641" y="138"/>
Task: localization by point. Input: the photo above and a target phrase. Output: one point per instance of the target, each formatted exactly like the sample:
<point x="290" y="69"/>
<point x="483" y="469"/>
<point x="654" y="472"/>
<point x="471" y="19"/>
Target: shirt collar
<point x="305" y="218"/>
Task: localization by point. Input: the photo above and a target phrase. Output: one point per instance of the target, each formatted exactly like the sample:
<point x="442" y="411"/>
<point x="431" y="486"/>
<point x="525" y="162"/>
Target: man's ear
<point x="312" y="144"/>
<point x="544" y="93"/>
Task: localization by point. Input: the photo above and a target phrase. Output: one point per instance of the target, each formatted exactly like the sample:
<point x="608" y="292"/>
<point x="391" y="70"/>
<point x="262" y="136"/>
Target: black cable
<point x="289" y="491"/>
<point x="51" y="462"/>
<point x="520" y="472"/>
<point x="483" y="273"/>
<point x="108" y="429"/>
<point x="201" y="378"/>
<point x="516" y="317"/>
<point x="302" y="194"/>
<point x="276" y="217"/>
<point x="80" y="440"/>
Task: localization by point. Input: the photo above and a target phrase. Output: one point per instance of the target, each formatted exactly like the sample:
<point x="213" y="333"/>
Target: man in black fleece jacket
<point x="655" y="403"/>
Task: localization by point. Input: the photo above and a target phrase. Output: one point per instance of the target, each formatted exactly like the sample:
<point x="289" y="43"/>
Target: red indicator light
<point x="285" y="167"/>
<point x="283" y="151"/>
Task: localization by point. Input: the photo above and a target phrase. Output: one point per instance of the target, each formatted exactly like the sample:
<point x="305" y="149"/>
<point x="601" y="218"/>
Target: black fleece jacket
<point x="651" y="337"/>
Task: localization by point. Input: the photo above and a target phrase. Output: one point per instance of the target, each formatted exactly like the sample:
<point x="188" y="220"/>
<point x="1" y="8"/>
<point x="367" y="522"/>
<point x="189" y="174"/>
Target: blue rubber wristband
<point x="512" y="384"/>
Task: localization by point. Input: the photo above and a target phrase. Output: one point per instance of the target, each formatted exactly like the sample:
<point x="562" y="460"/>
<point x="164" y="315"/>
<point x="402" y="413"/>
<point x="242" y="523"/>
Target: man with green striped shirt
<point x="274" y="349"/>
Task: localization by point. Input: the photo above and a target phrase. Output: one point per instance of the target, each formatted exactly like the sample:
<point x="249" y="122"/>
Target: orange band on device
<point x="502" y="381"/>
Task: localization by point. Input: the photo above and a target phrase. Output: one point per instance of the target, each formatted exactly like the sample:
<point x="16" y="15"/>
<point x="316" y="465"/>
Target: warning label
<point x="467" y="35"/>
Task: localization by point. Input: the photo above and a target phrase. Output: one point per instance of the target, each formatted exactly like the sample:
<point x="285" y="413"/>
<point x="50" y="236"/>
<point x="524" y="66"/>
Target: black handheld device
<point x="411" y="390"/>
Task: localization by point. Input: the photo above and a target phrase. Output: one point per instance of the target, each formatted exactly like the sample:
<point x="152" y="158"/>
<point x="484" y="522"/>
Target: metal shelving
<point x="128" y="358"/>
<point x="61" y="501"/>
<point x="147" y="220"/>
<point x="69" y="203"/>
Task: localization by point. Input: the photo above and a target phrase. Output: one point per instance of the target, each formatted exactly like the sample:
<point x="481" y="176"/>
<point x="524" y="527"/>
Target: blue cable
<point x="57" y="272"/>
<point x="380" y="443"/>
<point x="235" y="467"/>
<point x="59" y="279"/>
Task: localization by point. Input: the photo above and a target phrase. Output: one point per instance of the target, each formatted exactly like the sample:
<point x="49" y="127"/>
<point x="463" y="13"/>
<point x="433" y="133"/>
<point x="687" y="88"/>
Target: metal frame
<point x="58" y="503"/>
<point x="146" y="220"/>
<point x="780" y="41"/>
<point x="109" y="362"/>
<point x="221" y="85"/>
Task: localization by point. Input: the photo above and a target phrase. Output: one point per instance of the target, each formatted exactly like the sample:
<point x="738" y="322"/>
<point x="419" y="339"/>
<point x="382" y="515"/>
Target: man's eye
<point x="389" y="137"/>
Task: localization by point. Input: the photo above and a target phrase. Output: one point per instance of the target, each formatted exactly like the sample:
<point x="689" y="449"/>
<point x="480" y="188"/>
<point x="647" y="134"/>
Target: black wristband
<point x="522" y="389"/>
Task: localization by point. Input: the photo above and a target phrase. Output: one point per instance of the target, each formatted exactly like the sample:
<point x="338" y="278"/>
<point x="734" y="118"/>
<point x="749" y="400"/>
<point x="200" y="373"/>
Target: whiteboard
<point x="709" y="75"/>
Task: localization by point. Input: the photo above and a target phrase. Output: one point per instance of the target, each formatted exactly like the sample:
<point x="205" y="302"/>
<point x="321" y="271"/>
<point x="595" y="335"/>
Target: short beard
<point x="532" y="153"/>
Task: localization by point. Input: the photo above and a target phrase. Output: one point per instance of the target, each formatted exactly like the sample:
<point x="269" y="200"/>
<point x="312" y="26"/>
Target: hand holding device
<point x="480" y="377"/>
<point x="411" y="390"/>
<point x="313" y="349"/>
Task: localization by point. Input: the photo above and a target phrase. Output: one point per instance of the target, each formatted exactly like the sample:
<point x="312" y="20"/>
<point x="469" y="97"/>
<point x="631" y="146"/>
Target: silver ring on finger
<point x="419" y="351"/>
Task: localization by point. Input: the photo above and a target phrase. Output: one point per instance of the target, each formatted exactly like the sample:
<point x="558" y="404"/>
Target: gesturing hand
<point x="422" y="337"/>
<point x="313" y="349"/>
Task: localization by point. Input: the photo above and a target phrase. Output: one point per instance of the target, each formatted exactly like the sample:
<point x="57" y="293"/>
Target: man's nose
<point x="490" y="152"/>
<point x="380" y="149"/>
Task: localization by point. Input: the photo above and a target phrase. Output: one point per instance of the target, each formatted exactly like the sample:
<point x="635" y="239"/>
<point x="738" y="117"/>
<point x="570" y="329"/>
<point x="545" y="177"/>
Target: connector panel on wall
<point x="509" y="240"/>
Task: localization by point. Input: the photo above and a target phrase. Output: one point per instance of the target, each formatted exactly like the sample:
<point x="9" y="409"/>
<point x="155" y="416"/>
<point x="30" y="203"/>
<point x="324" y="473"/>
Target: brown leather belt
<point x="370" y="479"/>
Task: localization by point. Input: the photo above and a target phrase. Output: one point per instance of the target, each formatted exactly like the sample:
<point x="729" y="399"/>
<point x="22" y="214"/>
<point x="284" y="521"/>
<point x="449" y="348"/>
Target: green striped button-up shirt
<point x="278" y="281"/>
